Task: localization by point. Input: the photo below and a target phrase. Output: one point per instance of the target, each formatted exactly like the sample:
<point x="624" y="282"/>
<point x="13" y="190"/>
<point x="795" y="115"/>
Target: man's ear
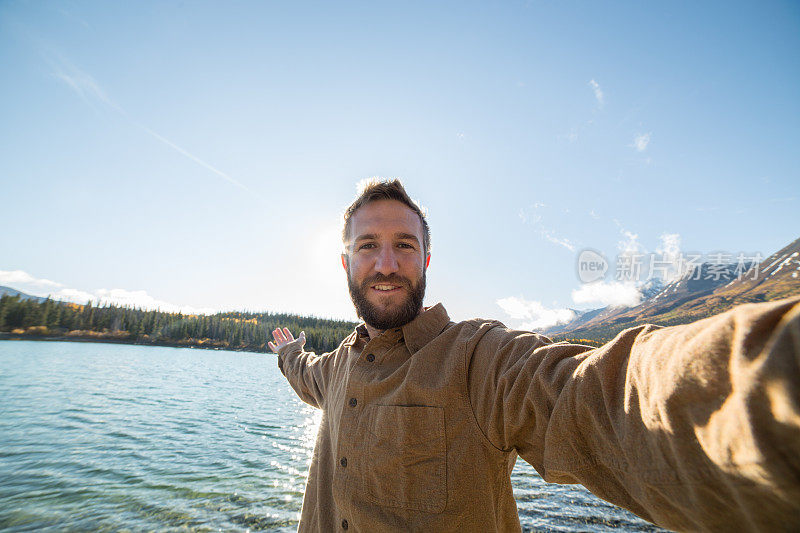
<point x="344" y="262"/>
<point x="427" y="261"/>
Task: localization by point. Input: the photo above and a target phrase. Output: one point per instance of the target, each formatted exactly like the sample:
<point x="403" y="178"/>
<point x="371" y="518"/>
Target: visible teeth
<point x="385" y="287"/>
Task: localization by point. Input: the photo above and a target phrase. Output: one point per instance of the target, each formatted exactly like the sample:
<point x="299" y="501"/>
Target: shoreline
<point x="6" y="336"/>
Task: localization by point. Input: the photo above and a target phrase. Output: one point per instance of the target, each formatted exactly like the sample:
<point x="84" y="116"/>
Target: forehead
<point x="385" y="217"/>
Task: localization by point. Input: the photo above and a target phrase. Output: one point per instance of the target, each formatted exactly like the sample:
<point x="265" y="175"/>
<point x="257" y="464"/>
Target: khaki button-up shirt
<point x="693" y="427"/>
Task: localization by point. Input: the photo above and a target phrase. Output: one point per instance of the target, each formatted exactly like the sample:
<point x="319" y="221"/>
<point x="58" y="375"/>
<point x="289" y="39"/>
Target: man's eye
<point x="405" y="245"/>
<point x="366" y="246"/>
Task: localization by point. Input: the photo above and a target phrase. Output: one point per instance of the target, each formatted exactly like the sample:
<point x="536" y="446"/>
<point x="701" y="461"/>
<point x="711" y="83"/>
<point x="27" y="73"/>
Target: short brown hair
<point x="387" y="190"/>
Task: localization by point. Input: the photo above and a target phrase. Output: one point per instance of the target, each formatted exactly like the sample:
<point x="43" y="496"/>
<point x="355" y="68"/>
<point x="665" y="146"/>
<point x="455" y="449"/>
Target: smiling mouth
<point x="386" y="288"/>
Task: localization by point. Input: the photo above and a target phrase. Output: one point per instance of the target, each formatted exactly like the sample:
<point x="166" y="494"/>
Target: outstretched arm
<point x="693" y="427"/>
<point x="306" y="372"/>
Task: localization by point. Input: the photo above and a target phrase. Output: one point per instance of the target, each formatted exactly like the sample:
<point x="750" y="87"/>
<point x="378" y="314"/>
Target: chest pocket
<point x="407" y="464"/>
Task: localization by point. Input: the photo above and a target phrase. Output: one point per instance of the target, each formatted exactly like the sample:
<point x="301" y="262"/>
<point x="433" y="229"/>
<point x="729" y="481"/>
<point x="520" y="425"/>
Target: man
<point x="693" y="427"/>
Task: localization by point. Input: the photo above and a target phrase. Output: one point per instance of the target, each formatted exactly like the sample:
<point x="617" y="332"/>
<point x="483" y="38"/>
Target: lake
<point x="119" y="437"/>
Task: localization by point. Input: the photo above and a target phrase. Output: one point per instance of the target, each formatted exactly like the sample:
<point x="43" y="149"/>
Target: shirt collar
<point x="417" y="333"/>
<point x="425" y="327"/>
<point x="361" y="333"/>
<point x="358" y="337"/>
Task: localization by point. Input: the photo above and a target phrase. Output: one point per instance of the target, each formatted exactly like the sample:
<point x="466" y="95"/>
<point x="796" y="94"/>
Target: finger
<point x="278" y="334"/>
<point x="271" y="346"/>
<point x="302" y="337"/>
<point x="288" y="334"/>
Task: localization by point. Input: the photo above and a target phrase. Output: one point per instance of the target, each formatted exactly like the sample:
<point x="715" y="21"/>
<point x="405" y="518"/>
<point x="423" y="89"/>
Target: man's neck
<point x="374" y="332"/>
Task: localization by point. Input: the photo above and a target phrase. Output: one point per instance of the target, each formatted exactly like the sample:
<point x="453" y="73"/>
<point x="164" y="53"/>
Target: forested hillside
<point x="233" y="330"/>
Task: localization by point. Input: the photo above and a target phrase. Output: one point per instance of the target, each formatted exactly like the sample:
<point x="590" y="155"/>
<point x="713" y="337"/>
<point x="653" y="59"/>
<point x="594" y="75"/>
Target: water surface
<point x="119" y="437"/>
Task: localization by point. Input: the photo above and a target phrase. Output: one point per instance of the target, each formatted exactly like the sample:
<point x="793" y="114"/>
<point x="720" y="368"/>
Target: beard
<point x="390" y="318"/>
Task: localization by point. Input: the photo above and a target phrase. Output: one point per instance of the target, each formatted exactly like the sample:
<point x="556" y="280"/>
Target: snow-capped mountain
<point x="702" y="291"/>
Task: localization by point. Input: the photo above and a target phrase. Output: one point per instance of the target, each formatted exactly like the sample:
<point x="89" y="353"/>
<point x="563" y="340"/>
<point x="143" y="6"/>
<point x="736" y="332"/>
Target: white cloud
<point x="23" y="278"/>
<point x="533" y="315"/>
<point x="668" y="255"/>
<point x="28" y="284"/>
<point x="630" y="245"/>
<point x="143" y="300"/>
<point x="74" y="295"/>
<point x="598" y="92"/>
<point x="641" y="141"/>
<point x="670" y="244"/>
<point x="547" y="234"/>
<point x="604" y="293"/>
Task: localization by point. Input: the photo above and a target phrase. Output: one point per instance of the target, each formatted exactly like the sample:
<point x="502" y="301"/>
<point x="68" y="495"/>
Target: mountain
<point x="704" y="290"/>
<point x="14" y="292"/>
<point x="581" y="318"/>
<point x="651" y="287"/>
<point x="778" y="279"/>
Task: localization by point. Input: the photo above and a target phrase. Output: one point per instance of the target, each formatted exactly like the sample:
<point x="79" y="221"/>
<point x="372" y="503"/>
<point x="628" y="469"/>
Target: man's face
<point x="385" y="264"/>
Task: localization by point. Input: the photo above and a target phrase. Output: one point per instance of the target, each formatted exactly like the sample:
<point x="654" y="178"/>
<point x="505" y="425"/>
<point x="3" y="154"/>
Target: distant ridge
<point x="14" y="292"/>
<point x="693" y="296"/>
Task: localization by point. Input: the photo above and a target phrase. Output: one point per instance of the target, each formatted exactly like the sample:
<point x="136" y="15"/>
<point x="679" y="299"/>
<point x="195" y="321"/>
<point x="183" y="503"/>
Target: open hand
<point x="284" y="337"/>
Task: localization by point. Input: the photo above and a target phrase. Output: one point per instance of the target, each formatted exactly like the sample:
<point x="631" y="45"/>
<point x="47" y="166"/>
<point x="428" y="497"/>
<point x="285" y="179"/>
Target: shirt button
<point x="370" y="358"/>
<point x="344" y="524"/>
<point x="353" y="402"/>
<point x="343" y="461"/>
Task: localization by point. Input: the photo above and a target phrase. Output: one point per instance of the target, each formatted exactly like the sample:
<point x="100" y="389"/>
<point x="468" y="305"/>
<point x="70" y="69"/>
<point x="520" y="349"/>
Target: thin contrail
<point x="193" y="157"/>
<point x="85" y="85"/>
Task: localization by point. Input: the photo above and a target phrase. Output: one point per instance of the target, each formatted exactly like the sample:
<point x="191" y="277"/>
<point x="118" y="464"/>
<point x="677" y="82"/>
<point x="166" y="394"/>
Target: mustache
<point x="392" y="279"/>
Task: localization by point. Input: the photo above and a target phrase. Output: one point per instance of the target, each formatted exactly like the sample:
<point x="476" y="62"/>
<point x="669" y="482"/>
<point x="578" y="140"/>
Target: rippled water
<point x="114" y="437"/>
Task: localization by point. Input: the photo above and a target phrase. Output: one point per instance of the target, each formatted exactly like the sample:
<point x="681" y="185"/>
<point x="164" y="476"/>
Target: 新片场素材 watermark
<point x="636" y="267"/>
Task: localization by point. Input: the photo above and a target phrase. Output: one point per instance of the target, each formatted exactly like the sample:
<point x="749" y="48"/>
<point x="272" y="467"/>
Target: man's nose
<point x="386" y="263"/>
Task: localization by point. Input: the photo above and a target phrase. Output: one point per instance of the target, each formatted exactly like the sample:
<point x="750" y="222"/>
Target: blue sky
<point x="198" y="155"/>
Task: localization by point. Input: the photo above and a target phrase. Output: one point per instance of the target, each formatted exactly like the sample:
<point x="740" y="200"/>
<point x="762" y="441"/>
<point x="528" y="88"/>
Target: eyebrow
<point x="374" y="236"/>
<point x="407" y="236"/>
<point x="366" y="237"/>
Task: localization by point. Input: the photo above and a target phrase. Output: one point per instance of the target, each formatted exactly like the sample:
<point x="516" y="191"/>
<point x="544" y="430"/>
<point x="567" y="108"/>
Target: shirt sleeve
<point x="306" y="372"/>
<point x="693" y="427"/>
